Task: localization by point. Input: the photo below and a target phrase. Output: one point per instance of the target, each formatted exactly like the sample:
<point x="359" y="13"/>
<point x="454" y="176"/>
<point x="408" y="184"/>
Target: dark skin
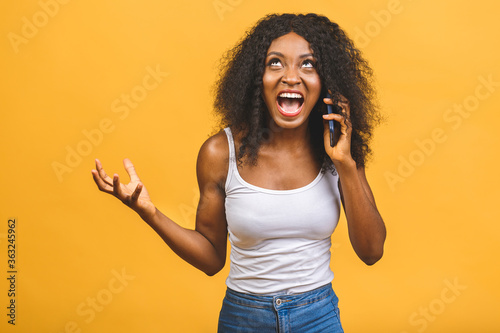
<point x="284" y="162"/>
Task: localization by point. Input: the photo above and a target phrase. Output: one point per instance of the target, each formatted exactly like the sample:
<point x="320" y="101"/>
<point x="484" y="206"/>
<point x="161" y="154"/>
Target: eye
<point x="275" y="62"/>
<point x="308" y="63"/>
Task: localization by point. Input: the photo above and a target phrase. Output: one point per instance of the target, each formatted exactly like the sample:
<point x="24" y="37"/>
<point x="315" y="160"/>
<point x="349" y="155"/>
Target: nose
<point x="291" y="77"/>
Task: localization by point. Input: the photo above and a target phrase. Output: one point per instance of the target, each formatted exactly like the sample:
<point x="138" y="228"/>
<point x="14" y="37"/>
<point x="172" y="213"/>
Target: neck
<point x="289" y="139"/>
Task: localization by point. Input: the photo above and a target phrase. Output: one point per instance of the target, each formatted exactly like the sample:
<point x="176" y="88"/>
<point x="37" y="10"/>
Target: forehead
<point x="290" y="43"/>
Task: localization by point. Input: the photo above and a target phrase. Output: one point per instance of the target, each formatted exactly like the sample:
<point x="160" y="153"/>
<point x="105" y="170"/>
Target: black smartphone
<point x="332" y="109"/>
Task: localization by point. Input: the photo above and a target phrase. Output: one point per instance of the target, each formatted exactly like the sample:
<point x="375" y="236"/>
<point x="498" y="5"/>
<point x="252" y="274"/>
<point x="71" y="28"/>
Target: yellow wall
<point x="86" y="263"/>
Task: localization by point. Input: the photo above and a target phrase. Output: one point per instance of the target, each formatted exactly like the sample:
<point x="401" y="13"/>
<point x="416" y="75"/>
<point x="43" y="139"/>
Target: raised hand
<point x="133" y="194"/>
<point x="341" y="152"/>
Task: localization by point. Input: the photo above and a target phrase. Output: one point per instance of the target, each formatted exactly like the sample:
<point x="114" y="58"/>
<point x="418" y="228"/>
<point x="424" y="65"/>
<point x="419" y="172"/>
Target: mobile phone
<point x="331" y="109"/>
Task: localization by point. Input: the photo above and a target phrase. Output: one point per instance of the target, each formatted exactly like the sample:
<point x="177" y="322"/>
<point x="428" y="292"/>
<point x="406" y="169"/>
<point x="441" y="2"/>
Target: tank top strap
<point x="232" y="156"/>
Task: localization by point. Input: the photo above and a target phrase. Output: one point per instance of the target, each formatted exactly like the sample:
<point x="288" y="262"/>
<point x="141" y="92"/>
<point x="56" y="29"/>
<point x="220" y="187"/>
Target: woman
<point x="272" y="181"/>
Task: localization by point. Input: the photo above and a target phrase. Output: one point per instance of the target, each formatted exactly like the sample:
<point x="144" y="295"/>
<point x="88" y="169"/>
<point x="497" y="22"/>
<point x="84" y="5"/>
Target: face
<point x="291" y="85"/>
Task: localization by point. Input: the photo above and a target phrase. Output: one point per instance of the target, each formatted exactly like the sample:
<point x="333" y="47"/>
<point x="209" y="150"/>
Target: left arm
<point x="366" y="228"/>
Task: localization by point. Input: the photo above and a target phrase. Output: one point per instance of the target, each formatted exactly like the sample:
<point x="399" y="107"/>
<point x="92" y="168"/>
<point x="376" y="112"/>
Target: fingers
<point x="340" y="118"/>
<point x="137" y="192"/>
<point x="129" y="200"/>
<point x="344" y="117"/>
<point x="130" y="170"/>
<point x="102" y="174"/>
<point x="129" y="167"/>
<point x="117" y="190"/>
<point x="327" y="100"/>
<point x="326" y="132"/>
<point x="343" y="103"/>
<point x="334" y="116"/>
<point x="345" y="125"/>
<point x="103" y="186"/>
<point x="113" y="186"/>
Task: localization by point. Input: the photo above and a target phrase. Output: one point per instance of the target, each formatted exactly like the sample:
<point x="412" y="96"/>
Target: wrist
<point x="345" y="167"/>
<point x="150" y="216"/>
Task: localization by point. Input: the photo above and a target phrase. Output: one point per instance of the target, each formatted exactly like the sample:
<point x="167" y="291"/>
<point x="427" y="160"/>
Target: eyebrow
<point x="305" y="55"/>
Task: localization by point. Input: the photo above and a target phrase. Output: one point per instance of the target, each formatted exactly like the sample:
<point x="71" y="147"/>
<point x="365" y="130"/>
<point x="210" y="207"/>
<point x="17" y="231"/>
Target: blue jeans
<point x="313" y="311"/>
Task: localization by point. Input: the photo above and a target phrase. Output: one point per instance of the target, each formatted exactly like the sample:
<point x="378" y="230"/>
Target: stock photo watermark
<point x="12" y="270"/>
<point x="223" y="6"/>
<point x="429" y="313"/>
<point x="88" y="309"/>
<point x="381" y="19"/>
<point x="453" y="117"/>
<point x="30" y="27"/>
<point x="122" y="107"/>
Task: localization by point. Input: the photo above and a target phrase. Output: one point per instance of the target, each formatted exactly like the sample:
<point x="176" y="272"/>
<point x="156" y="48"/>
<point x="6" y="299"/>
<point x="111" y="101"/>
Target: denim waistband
<point x="281" y="301"/>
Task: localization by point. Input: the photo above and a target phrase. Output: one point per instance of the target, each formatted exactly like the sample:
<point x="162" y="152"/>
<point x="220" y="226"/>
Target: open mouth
<point x="290" y="103"/>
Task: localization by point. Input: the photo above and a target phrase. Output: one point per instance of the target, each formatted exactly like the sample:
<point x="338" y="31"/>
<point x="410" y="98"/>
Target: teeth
<point x="290" y="95"/>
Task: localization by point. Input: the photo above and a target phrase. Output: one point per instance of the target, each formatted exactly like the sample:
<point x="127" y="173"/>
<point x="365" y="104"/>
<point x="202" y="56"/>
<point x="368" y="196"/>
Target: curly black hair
<point x="342" y="70"/>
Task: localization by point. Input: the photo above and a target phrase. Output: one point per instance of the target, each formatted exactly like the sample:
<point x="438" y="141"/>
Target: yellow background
<point x="64" y="76"/>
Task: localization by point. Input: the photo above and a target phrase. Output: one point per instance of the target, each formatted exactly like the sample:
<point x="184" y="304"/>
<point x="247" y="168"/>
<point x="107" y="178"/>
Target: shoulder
<point x="215" y="148"/>
<point x="213" y="159"/>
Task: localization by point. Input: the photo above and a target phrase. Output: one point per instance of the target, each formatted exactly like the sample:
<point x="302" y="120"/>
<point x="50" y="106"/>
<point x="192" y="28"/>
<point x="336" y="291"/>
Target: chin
<point x="290" y="122"/>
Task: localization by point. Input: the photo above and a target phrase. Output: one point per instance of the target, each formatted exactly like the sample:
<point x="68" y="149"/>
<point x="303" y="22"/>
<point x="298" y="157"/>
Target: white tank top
<point x="280" y="239"/>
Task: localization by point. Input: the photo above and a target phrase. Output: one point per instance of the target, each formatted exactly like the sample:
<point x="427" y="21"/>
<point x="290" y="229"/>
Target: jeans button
<point x="278" y="302"/>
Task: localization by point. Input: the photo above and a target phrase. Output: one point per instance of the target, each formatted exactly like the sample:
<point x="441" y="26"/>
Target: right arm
<point x="205" y="247"/>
